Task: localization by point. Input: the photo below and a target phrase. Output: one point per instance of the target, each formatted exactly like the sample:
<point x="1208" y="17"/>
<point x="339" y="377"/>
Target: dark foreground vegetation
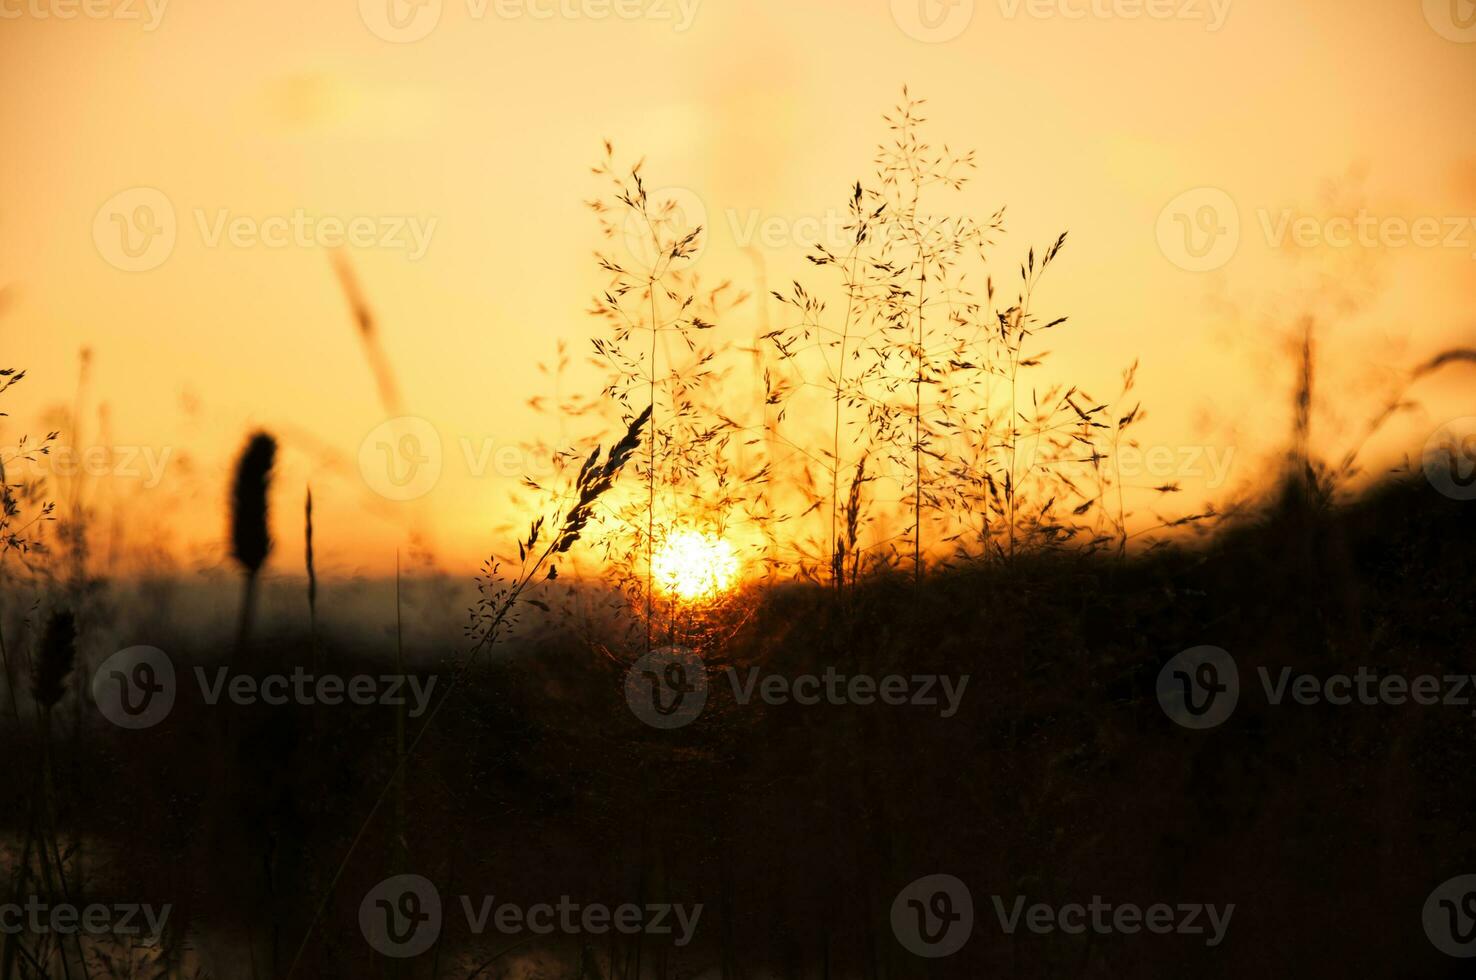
<point x="1059" y="778"/>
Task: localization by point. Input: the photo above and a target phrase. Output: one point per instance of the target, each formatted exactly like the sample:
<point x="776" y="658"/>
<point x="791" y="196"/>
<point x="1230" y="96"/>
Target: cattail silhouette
<point x="251" y="542"/>
<point x="58" y="654"/>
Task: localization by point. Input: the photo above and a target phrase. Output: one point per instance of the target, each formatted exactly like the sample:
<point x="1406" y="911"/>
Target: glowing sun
<point x="691" y="566"/>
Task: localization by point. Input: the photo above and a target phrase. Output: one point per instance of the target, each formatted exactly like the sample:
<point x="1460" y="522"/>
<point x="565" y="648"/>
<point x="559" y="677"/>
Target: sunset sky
<point x="461" y="162"/>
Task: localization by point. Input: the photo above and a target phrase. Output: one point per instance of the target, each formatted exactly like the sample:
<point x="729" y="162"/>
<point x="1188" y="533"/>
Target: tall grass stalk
<point x="498" y="608"/>
<point x="312" y="577"/>
<point x="24" y="513"/>
<point x="369" y="335"/>
<point x="53" y="665"/>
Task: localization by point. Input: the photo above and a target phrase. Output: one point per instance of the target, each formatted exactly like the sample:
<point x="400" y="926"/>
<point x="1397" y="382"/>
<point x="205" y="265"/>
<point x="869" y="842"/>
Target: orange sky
<point x="253" y="123"/>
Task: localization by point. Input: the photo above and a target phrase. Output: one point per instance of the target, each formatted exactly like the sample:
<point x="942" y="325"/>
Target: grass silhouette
<point x="914" y="495"/>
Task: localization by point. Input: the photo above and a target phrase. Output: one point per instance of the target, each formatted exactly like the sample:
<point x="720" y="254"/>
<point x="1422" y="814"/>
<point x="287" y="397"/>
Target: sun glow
<point x="691" y="565"/>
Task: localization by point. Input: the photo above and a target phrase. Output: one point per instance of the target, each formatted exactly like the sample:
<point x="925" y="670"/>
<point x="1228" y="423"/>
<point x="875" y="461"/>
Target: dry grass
<point x="903" y="443"/>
